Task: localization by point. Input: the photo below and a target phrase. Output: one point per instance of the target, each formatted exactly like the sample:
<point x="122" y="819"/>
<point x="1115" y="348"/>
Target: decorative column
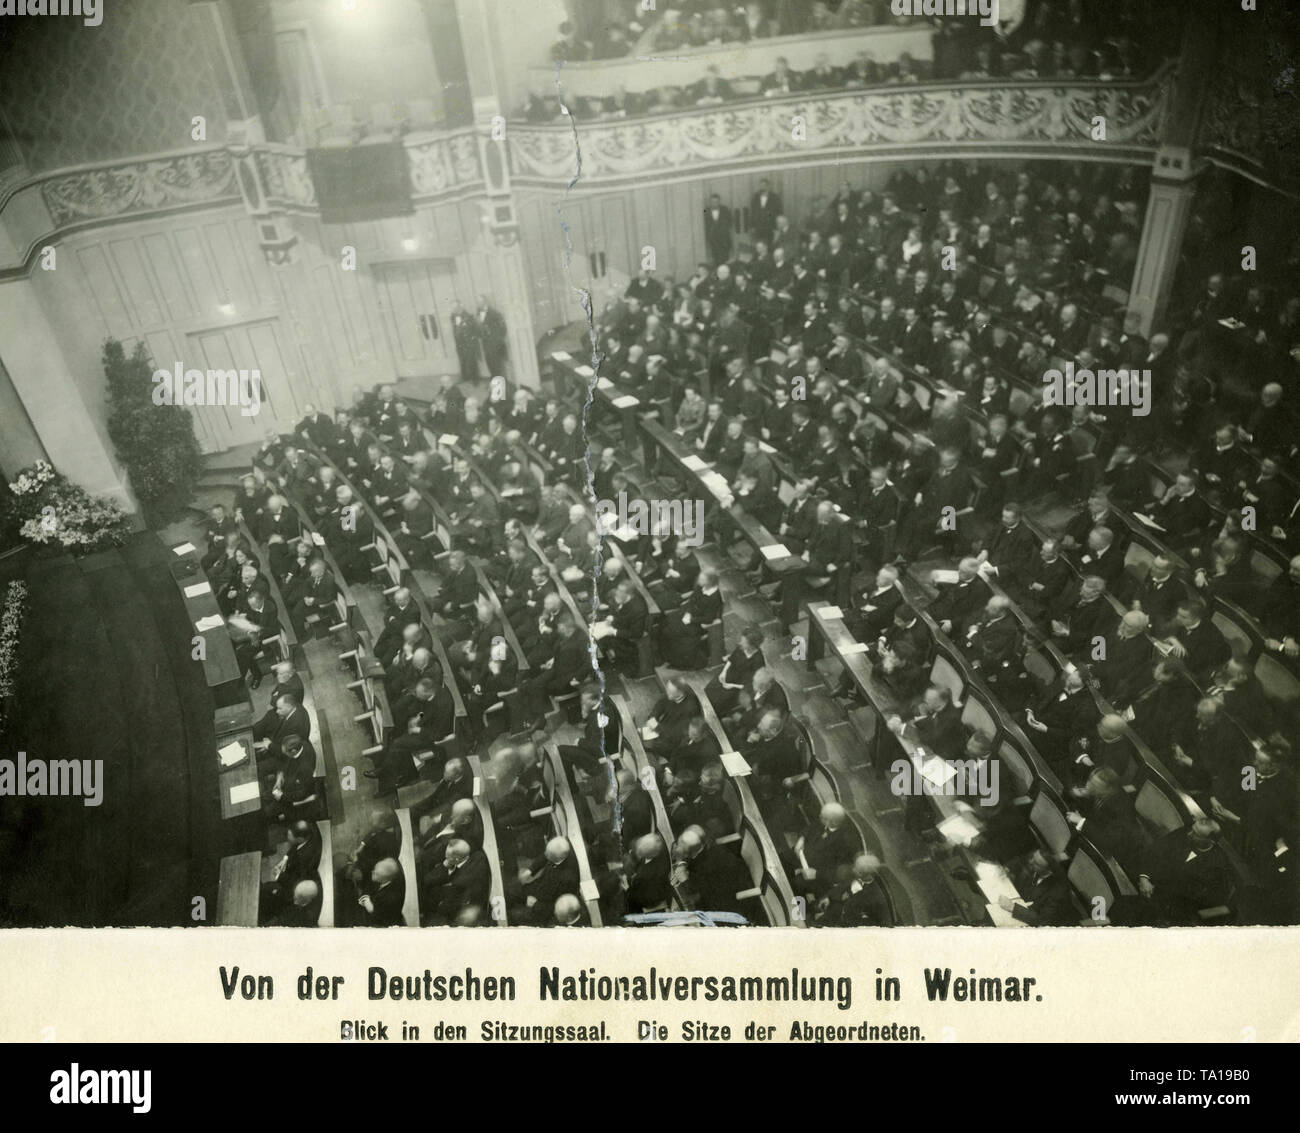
<point x="1173" y="177"/>
<point x="510" y="293"/>
<point x="1168" y="208"/>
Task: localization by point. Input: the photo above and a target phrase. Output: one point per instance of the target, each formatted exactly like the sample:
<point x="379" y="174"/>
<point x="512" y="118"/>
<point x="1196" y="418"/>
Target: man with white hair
<point x="649" y="875"/>
<point x="826" y="852"/>
<point x="539" y="888"/>
<point x="859" y="901"/>
<point x="459" y="884"/>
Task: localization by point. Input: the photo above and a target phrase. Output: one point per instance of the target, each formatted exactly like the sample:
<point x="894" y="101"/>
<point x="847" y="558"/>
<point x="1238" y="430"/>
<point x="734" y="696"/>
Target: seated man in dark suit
<point x="385" y="893"/>
<point x="859" y="901"/>
<point x="1045" y="893"/>
<point x="626" y="625"/>
<point x="826" y="853"/>
<point x="293" y="791"/>
<point x="649" y="875"/>
<point x="300" y="863"/>
<point x="401" y="612"/>
<point x="708" y="876"/>
<point x="1111" y="822"/>
<point x="303" y="908"/>
<point x="456" y="891"/>
<point x="1186" y="871"/>
<point x="285" y="718"/>
<point x="539" y="888"/>
<point x="316" y="598"/>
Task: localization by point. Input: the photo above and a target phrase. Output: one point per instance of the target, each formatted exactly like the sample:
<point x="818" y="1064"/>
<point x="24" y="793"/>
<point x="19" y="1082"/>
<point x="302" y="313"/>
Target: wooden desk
<point x="220" y="669"/>
<point x="239" y="888"/>
<point x="235" y="778"/>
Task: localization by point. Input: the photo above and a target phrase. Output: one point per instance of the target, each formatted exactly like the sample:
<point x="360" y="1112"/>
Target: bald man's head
<point x="866" y="867"/>
<point x="567" y="909"/>
<point x="690" y="842"/>
<point x="648" y="847"/>
<point x="557" y="851"/>
<point x="385" y="871"/>
<point x="304" y="893"/>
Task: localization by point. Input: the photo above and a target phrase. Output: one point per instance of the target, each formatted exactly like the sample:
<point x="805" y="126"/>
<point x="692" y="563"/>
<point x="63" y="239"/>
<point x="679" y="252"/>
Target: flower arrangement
<point x="51" y="510"/>
<point x="10" y="624"/>
<point x="33" y="479"/>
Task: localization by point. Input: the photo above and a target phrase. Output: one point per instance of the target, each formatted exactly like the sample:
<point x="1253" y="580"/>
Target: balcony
<point x="977" y="119"/>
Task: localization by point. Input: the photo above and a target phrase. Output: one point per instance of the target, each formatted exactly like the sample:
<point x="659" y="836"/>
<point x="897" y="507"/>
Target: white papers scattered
<point x="212" y="621"/>
<point x="232" y="754"/>
<point x="1001" y="918"/>
<point x="1148" y="521"/>
<point x="830" y="612"/>
<point x="626" y="533"/>
<point x="626" y="401"/>
<point x="318" y="538"/>
<point x="447" y="440"/>
<point x="603" y="383"/>
<point x="694" y="463"/>
<point x="561" y="355"/>
<point x="943" y="577"/>
<point x="959" y="829"/>
<point x="775" y="551"/>
<point x="585" y="371"/>
<point x="184" y="549"/>
<point x="734" y="763"/>
<point x="856" y="647"/>
<point x="243" y="793"/>
<point x="197" y="589"/>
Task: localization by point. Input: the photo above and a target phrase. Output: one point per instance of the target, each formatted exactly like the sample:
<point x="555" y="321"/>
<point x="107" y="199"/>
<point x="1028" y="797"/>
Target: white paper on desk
<point x="775" y="551"/>
<point x="626" y="401"/>
<point x="1147" y="521"/>
<point x="994" y="882"/>
<point x="232" y="754"/>
<point x="447" y="440"/>
<point x="601" y="383"/>
<point x="734" y="763"/>
<point x="243" y="792"/>
<point x="938" y="771"/>
<point x="212" y="621"/>
<point x="694" y="463"/>
<point x="197" y="589"/>
<point x="1002" y="919"/>
<point x="184" y="549"/>
<point x="626" y="534"/>
<point x="856" y="647"/>
<point x="959" y="829"/>
<point x="943" y="577"/>
<point x="561" y="355"/>
<point x="585" y="371"/>
<point x="763" y="446"/>
<point x="830" y="612"/>
<point x="318" y="538"/>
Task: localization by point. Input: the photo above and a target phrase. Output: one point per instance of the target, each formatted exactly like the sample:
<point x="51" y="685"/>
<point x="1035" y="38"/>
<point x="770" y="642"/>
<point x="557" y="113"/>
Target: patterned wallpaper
<point x="74" y="94"/>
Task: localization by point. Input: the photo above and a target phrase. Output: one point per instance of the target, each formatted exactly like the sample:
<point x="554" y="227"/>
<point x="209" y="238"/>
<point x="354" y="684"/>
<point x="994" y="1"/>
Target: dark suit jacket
<point x="469" y="885"/>
<point x="387" y="901"/>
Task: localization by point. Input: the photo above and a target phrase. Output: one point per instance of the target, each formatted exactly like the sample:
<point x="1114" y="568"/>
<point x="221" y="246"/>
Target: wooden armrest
<point x="802" y="777"/>
<point x="726" y="839"/>
<point x="1215" y="911"/>
<point x="541" y="813"/>
<point x="368" y="751"/>
<point x="746" y="894"/>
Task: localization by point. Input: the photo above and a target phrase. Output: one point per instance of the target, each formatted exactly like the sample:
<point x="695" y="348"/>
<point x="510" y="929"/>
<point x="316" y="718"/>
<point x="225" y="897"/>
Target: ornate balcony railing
<point x="1031" y="119"/>
<point x="37" y="210"/>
